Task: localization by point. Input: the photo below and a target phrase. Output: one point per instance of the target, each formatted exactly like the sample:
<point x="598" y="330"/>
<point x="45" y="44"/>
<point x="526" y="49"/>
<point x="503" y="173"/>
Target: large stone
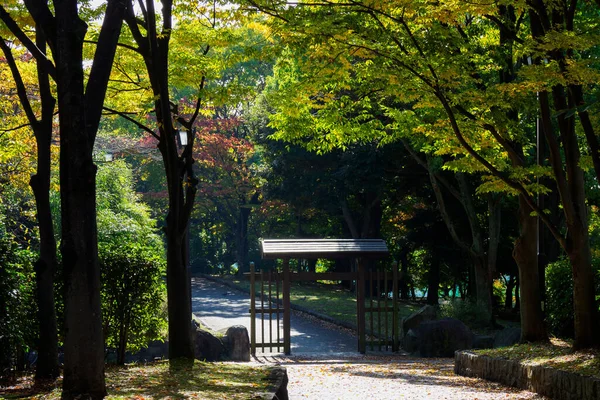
<point x="507" y="337"/>
<point x="443" y="337"/>
<point x="237" y="343"/>
<point x="410" y="342"/>
<point x="427" y="313"/>
<point x="207" y="347"/>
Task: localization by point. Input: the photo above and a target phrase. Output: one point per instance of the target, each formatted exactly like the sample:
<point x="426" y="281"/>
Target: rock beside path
<point x="207" y="347"/>
<point x="237" y="343"/>
<point x="427" y="313"/>
<point x="441" y="338"/>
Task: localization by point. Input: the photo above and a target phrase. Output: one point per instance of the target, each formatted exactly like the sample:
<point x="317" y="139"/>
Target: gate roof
<point x="323" y="248"/>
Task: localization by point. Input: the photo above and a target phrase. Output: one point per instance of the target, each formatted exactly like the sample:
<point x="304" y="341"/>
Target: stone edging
<point x="278" y="384"/>
<point x="543" y="380"/>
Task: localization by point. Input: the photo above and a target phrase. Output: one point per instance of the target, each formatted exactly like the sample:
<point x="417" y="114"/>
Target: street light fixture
<point x="183" y="137"/>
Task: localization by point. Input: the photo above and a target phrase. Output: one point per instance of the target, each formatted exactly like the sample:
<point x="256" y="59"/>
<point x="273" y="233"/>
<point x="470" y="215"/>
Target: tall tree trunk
<point x="483" y="294"/>
<point x="84" y="342"/>
<point x="586" y="309"/>
<point x="45" y="267"/>
<point x="533" y="328"/>
<point x="433" y="282"/>
<point x="178" y="292"/>
<point x="404" y="274"/>
<point x="241" y="239"/>
<point x="568" y="174"/>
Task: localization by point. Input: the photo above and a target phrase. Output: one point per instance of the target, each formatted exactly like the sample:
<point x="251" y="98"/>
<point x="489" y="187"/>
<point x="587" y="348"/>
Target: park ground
<point x="323" y="364"/>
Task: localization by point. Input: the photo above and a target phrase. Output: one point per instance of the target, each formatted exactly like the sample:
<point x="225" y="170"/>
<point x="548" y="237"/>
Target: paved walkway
<point x="325" y="365"/>
<point x="378" y="377"/>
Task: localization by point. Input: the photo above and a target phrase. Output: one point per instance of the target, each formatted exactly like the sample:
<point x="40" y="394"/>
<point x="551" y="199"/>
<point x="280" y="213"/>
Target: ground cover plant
<point x="557" y="354"/>
<point x="157" y="381"/>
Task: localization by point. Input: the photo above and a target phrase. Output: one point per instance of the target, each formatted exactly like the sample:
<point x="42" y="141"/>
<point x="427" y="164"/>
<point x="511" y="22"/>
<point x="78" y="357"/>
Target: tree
<point x="79" y="107"/>
<point x="131" y="263"/>
<point x="177" y="68"/>
<point x="430" y="56"/>
<point x="45" y="266"/>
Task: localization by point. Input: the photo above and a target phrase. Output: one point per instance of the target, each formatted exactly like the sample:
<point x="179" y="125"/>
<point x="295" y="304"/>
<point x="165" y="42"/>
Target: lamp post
<point x="182" y="135"/>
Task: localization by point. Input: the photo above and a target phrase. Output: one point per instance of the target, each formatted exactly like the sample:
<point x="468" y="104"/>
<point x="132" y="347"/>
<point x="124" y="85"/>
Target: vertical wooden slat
<point x="395" y="327"/>
<point x="371" y="313"/>
<point x="252" y="311"/>
<point x="262" y="309"/>
<point x="287" y="348"/>
<point x="270" y="304"/>
<point x="379" y="307"/>
<point x="385" y="304"/>
<point x="360" y="307"/>
<point x="277" y="276"/>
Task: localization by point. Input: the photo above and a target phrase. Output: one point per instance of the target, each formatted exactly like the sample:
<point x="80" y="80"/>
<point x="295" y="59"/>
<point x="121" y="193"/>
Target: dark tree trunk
<point x="45" y="267"/>
<point x="123" y="332"/>
<point x="568" y="174"/>
<point x="241" y="239"/>
<point x="433" y="282"/>
<point x="79" y="116"/>
<point x="482" y="286"/>
<point x="84" y="342"/>
<point x="404" y="275"/>
<point x="533" y="328"/>
<point x="178" y="293"/>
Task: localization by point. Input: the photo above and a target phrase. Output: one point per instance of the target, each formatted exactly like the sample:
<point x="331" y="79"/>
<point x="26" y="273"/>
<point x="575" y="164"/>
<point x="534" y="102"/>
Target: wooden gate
<point x="376" y="292"/>
<point x="266" y="304"/>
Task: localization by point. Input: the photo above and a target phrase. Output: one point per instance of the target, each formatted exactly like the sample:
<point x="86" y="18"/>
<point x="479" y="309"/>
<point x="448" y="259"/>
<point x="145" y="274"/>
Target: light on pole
<point x="183" y="137"/>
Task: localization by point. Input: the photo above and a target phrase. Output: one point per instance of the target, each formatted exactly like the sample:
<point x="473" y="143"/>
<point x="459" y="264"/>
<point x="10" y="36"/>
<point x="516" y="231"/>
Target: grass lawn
<point x="332" y="300"/>
<point x="157" y="381"/>
<point x="557" y="354"/>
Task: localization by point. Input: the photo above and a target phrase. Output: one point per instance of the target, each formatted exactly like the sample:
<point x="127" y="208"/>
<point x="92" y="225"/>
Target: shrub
<point x="133" y="293"/>
<point x="18" y="327"/>
<point x="474" y="315"/>
<point x="131" y="264"/>
<point x="559" y="296"/>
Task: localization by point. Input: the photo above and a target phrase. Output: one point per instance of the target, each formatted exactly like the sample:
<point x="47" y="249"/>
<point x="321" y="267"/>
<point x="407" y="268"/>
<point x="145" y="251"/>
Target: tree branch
<point x="21" y="91"/>
<point x="40" y="57"/>
<point x="128" y="118"/>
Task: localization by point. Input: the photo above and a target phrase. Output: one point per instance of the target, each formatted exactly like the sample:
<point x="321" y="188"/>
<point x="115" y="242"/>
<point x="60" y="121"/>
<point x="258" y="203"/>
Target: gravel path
<point x="377" y="377"/>
<point x="324" y="365"/>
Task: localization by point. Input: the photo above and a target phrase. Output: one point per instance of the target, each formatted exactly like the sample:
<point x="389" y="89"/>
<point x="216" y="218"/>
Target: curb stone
<point x="278" y="384"/>
<point x="560" y="385"/>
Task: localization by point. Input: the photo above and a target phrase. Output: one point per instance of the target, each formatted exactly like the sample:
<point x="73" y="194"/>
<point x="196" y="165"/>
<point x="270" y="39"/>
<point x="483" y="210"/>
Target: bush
<point x="473" y="315"/>
<point x="131" y="264"/>
<point x="559" y="297"/>
<point x="18" y="327"/>
<point x="133" y="293"/>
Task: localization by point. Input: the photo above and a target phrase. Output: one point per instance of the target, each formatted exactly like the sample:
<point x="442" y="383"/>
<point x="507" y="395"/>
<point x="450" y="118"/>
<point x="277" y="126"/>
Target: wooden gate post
<point x="252" y="311"/>
<point x="360" y="307"/>
<point x="287" y="348"/>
